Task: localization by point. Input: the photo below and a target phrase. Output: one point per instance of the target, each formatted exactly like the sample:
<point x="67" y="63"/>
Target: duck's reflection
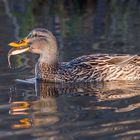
<point x="45" y="112"/>
<point x="52" y="106"/>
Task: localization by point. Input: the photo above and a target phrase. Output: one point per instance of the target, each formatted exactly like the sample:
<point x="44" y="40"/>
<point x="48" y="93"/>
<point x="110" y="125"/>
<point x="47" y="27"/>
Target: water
<point x="78" y="111"/>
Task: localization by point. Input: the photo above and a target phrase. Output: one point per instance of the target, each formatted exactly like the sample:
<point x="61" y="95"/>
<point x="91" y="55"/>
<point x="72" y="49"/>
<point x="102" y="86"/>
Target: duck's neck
<point x="47" y="68"/>
<point x="50" y="58"/>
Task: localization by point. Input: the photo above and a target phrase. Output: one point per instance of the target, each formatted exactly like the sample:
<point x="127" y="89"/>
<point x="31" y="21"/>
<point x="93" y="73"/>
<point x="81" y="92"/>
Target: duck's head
<point x="39" y="41"/>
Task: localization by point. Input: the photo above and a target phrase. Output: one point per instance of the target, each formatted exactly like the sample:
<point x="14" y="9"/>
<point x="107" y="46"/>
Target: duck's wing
<point x="133" y="60"/>
<point x="93" y="66"/>
<point x="105" y="59"/>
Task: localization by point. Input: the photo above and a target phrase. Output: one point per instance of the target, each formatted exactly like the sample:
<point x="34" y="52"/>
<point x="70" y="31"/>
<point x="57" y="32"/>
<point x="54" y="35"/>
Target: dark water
<point x="68" y="112"/>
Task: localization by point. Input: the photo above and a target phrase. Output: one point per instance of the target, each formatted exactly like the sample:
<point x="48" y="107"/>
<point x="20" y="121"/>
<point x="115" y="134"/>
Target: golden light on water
<point x="23" y="123"/>
<point x="43" y="113"/>
<point x="20" y="108"/>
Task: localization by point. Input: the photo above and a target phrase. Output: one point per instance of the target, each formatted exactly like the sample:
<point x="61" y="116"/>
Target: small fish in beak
<point x="19" y="47"/>
<point x="16" y="51"/>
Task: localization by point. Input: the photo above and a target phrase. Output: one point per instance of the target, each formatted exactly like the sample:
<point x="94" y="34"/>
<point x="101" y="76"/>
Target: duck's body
<point x="89" y="68"/>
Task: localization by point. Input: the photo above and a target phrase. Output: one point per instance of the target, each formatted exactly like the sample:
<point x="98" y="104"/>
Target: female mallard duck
<point x="88" y="68"/>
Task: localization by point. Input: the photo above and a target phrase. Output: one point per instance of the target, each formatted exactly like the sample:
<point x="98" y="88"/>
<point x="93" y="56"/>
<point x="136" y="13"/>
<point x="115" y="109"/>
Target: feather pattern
<point x="89" y="68"/>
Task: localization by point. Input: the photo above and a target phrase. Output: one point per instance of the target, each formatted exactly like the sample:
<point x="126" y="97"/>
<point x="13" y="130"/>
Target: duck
<point x="87" y="68"/>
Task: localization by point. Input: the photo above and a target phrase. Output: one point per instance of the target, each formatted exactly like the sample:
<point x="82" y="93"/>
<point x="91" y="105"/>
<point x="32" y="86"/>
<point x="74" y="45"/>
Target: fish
<point x="15" y="51"/>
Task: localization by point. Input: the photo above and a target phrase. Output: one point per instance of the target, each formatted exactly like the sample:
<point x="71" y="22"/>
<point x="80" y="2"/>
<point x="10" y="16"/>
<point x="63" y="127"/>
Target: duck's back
<point x="102" y="67"/>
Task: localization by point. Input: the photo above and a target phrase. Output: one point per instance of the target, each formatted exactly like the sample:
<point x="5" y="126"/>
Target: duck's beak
<point x="20" y="43"/>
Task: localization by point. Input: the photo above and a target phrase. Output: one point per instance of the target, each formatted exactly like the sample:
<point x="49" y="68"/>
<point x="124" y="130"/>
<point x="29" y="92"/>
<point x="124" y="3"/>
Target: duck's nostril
<point x="20" y="41"/>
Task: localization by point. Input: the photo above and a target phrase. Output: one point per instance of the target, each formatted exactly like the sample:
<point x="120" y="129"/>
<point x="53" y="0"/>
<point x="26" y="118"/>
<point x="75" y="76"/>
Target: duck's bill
<point x="20" y="43"/>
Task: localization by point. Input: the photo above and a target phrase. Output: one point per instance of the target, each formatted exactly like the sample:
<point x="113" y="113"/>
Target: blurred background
<point x="80" y="26"/>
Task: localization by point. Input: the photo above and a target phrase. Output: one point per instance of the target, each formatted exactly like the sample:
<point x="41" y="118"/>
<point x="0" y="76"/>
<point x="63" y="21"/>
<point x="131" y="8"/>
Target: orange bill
<point x="20" y="43"/>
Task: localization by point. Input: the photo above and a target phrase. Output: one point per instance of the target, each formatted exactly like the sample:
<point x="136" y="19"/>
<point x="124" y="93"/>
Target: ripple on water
<point x="99" y="111"/>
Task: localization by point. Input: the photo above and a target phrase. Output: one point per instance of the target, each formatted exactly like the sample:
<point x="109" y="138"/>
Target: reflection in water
<point x="19" y="108"/>
<point x="55" y="111"/>
<point x="46" y="106"/>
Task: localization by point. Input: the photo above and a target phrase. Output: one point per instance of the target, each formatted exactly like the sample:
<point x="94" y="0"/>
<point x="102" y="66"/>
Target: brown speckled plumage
<point x="98" y="67"/>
